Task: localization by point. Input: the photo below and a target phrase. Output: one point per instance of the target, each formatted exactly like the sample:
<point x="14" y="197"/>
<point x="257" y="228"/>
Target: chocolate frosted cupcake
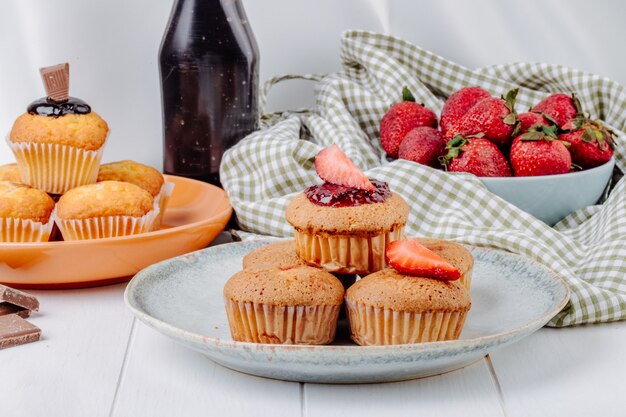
<point x="58" y="142"/>
<point x="105" y="209"/>
<point x="293" y="306"/>
<point x="345" y="224"/>
<point x="26" y="214"/>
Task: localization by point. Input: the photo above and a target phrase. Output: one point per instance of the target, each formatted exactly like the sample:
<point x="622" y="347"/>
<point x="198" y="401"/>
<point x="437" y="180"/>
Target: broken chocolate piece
<point x="14" y="331"/>
<point x="18" y="298"/>
<point x="56" y="79"/>
<point x="8" y="308"/>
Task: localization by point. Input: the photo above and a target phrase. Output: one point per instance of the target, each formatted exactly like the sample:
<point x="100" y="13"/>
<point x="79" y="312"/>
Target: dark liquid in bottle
<point x="209" y="79"/>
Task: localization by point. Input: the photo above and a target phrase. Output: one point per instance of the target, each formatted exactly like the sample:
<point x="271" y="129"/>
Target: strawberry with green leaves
<point x="559" y="107"/>
<point x="475" y="155"/>
<point x="495" y="118"/>
<point x="400" y="119"/>
<point x="458" y="104"/>
<point x="539" y="152"/>
<point x="591" y="144"/>
<point x="531" y="120"/>
<point x="423" y="145"/>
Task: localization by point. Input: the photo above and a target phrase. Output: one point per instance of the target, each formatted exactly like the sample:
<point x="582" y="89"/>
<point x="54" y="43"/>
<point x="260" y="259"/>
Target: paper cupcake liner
<point x="380" y="326"/>
<point x="161" y="199"/>
<point x="301" y="325"/>
<point x="55" y="168"/>
<point x="107" y="226"/>
<point x="466" y="278"/>
<point x="25" y="230"/>
<point x="344" y="253"/>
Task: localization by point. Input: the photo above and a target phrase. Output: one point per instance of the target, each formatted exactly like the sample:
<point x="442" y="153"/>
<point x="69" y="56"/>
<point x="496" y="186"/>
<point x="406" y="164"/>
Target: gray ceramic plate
<point x="182" y="298"/>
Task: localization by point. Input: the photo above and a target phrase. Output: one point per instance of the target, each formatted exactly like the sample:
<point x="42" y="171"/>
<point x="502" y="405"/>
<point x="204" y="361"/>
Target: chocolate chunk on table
<point x="18" y="298"/>
<point x="8" y="308"/>
<point x="14" y="331"/>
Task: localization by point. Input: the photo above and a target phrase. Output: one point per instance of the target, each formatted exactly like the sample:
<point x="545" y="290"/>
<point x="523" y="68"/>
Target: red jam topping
<point x="333" y="195"/>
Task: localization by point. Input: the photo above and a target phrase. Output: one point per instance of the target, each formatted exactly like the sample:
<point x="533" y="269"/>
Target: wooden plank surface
<point x="163" y="378"/>
<point x="73" y="370"/>
<point x="571" y="372"/>
<point x="467" y="392"/>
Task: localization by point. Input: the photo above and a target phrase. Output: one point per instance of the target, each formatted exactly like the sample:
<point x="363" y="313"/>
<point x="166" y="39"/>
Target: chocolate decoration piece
<point x="56" y="79"/>
<point x="18" y="298"/>
<point x="14" y="331"/>
<point x="8" y="308"/>
<point x="47" y="107"/>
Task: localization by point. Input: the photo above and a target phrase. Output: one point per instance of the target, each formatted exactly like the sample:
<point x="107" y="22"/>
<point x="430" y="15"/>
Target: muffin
<point x="141" y="175"/>
<point x="10" y="173"/>
<point x="58" y="142"/>
<point x="293" y="306"/>
<point x="389" y="308"/>
<point x="279" y="255"/>
<point x="456" y="254"/>
<point x="282" y="255"/>
<point x="26" y="214"/>
<point x="350" y="239"/>
<point x="344" y="224"/>
<point x="105" y="209"/>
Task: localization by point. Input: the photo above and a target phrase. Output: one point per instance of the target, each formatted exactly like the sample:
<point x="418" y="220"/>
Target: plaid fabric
<point x="588" y="248"/>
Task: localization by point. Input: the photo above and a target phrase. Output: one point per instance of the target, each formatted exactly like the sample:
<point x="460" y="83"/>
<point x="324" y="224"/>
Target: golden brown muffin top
<point x="23" y="202"/>
<point x="364" y="220"/>
<point x="392" y="290"/>
<point x="302" y="286"/>
<point x="10" y="173"/>
<point x="107" y="198"/>
<point x="84" y="131"/>
<point x="454" y="253"/>
<point x="279" y="255"/>
<point x="141" y="175"/>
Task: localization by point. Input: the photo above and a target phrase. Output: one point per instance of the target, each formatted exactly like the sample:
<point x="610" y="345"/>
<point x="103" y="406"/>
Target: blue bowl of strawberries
<point x="549" y="161"/>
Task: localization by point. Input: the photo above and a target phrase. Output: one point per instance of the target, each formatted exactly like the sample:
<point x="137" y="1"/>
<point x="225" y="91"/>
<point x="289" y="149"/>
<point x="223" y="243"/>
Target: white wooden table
<point x="95" y="359"/>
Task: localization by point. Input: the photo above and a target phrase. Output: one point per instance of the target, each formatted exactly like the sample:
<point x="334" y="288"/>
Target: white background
<point x="112" y="47"/>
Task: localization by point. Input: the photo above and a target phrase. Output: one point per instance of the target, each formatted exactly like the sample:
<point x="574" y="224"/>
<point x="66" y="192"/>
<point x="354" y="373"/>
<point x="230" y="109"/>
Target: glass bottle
<point x="209" y="64"/>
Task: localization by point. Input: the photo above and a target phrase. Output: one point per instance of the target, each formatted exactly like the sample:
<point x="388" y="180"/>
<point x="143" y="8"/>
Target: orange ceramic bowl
<point x="196" y="213"/>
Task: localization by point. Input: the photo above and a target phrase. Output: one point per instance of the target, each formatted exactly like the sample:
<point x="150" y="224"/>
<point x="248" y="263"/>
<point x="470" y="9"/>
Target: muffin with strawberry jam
<point x="418" y="300"/>
<point x="345" y="224"/>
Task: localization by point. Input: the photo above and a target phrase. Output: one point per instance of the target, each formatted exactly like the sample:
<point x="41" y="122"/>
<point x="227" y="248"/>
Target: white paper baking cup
<point x="25" y="230"/>
<point x="107" y="226"/>
<point x="161" y="199"/>
<point x="263" y="323"/>
<point x="55" y="168"/>
<point x="346" y="254"/>
<point x="382" y="326"/>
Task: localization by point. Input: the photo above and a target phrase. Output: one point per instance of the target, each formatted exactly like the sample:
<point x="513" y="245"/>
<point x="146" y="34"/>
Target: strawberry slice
<point x="332" y="165"/>
<point x="409" y="257"/>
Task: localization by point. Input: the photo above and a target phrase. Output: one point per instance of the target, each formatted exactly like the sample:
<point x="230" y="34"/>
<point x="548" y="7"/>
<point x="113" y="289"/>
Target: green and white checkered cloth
<point x="588" y="249"/>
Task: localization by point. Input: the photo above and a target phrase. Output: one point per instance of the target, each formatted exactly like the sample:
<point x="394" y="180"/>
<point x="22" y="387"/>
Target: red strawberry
<point x="409" y="257"/>
<point x="494" y="117"/>
<point x="590" y="143"/>
<point x="539" y="153"/>
<point x="476" y="156"/>
<point x="423" y="145"/>
<point x="528" y="120"/>
<point x="332" y="165"/>
<point x="458" y="104"/>
<point x="559" y="107"/>
<point x="400" y="119"/>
